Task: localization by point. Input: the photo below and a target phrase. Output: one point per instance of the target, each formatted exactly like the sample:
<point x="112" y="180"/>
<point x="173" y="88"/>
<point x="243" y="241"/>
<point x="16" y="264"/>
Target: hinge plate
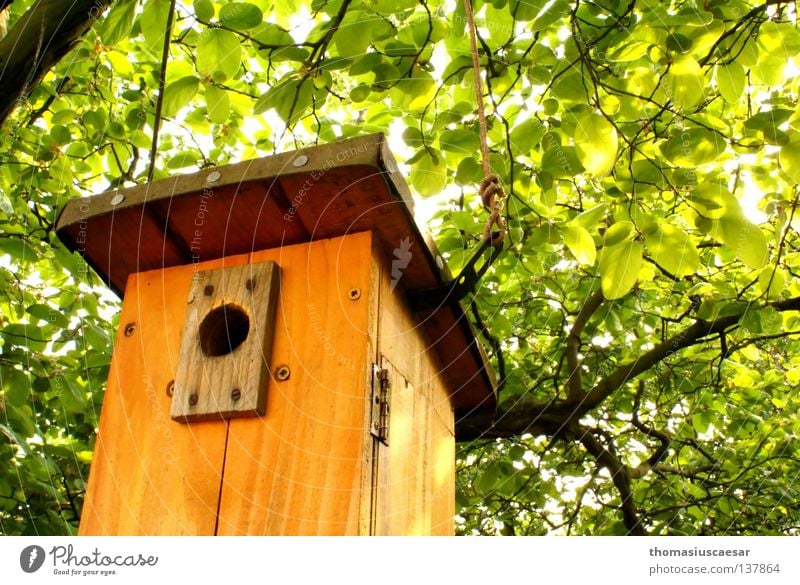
<point x="381" y="392"/>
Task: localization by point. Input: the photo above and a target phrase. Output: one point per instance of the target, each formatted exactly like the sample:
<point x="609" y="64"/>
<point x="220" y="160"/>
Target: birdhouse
<point x="270" y="375"/>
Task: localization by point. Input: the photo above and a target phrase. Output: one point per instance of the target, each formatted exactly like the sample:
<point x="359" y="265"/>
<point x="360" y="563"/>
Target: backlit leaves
<point x="219" y="54"/>
<point x="619" y="268"/>
<point x="650" y="146"/>
<point x="596" y="144"/>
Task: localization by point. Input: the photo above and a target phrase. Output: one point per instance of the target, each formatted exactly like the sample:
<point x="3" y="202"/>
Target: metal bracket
<point x="381" y="393"/>
<point x="461" y="285"/>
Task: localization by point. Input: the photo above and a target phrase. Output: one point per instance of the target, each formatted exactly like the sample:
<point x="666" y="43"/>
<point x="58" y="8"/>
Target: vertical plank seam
<point x="374" y="463"/>
<point x="222" y="477"/>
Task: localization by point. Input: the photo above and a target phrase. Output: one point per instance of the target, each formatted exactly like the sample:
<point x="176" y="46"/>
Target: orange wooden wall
<point x="309" y="465"/>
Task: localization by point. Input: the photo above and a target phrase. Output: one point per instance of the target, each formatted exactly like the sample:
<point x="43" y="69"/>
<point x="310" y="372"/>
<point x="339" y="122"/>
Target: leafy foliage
<point x="643" y="318"/>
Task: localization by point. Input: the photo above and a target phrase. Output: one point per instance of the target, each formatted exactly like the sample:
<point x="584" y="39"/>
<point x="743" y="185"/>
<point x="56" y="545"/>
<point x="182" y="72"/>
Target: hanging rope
<point x="161" y="83"/>
<point x="491" y="191"/>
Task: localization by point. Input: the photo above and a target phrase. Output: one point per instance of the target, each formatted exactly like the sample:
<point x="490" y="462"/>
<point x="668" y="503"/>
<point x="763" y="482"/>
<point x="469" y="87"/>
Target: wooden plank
<point x="416" y="472"/>
<point x="151" y="475"/>
<point x="226" y="343"/>
<point x="115" y="251"/>
<point x="299" y="469"/>
<point x="231" y="219"/>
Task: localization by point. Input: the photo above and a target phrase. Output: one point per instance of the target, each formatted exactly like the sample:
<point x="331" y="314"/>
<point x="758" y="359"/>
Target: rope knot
<point x="492" y="195"/>
<point x="490" y="187"/>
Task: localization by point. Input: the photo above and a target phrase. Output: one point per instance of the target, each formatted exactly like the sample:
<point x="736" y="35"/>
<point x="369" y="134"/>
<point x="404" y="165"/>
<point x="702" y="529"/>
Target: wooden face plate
<point x="226" y="342"/>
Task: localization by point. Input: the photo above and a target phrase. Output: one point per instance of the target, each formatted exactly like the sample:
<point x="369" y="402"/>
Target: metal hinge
<point x="381" y="387"/>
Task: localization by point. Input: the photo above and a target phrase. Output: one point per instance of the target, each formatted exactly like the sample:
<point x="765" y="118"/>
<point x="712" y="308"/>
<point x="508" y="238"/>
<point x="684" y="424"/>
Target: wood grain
<point x="298" y="470"/>
<point x="151" y="475"/>
<point x="226" y="343"/>
<point x="416" y="473"/>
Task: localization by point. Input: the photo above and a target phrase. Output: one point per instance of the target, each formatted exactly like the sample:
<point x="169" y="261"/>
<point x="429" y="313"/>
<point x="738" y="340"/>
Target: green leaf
<point x="354" y="34"/>
<point x="580" y="243"/>
<point x="178" y="94"/>
<point x="182" y="160"/>
<point x="590" y="218"/>
<point x="550" y="14"/>
<point x="218" y="104"/>
<point x="619" y="232"/>
<point x="153" y="21"/>
<point x="685" y="82"/>
<point x="619" y="268"/>
<point x="428" y="174"/>
<point x="488" y="479"/>
<point x="460" y="141"/>
<point x="628" y="50"/>
<point x="49" y="314"/>
<point x="596" y="144"/>
<point x="693" y="147"/>
<point x="119" y="22"/>
<point x="525" y="136"/>
<point x="711" y="200"/>
<point x="731" y="81"/>
<point x="747" y="241"/>
<point x="240" y="15"/>
<point x="561" y="162"/>
<point x="203" y="10"/>
<point x="218" y="53"/>
<point x="16" y="386"/>
<point x="701" y="421"/>
<point x="789" y="159"/>
<point x="673" y="250"/>
<point x="290" y="98"/>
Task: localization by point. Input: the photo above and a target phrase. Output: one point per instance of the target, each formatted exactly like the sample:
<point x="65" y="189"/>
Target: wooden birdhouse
<point x="270" y="376"/>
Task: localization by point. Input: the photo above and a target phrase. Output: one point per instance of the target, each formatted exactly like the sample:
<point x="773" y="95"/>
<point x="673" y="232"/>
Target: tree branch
<point x="551" y="417"/>
<point x="619" y="475"/>
<point x="574" y="381"/>
<point x="44" y="34"/>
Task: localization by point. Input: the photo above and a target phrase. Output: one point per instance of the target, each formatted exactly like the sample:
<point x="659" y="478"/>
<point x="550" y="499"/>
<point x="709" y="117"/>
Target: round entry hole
<point x="223" y="330"/>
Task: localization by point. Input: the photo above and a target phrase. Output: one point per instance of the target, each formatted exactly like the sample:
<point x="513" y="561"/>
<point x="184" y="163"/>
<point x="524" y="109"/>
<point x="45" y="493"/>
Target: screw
<point x="192" y="399"/>
<point x="250" y="284"/>
<point x="208" y="290"/>
<point x="129" y="329"/>
<point x="300" y="161"/>
<point x="213" y="177"/>
<point x="171" y="388"/>
<point x="117" y="199"/>
<point x="354" y="294"/>
<point x="282" y="373"/>
<point x="236" y="394"/>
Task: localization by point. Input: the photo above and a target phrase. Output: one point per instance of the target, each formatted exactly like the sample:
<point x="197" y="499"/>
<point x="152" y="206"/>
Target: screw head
<point x="208" y="290"/>
<point x="193" y="399"/>
<point x="130" y="328"/>
<point x="117" y="199"/>
<point x="236" y="394"/>
<point x="171" y="388"/>
<point x="440" y="262"/>
<point x="282" y="373"/>
<point x="354" y="294"/>
<point x="300" y="161"/>
<point x="213" y="177"/>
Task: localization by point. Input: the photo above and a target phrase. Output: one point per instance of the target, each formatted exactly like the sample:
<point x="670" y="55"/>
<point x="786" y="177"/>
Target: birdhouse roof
<point x="295" y="197"/>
